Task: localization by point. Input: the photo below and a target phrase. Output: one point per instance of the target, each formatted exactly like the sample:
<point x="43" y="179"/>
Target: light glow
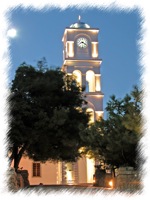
<point x="99" y="114"/>
<point x="97" y="77"/>
<point x="69" y="177"/>
<point x="94" y="31"/>
<point x="91" y="112"/>
<point x="78" y="76"/>
<point x="90" y="79"/>
<point x="94" y="49"/>
<point x="71" y="48"/>
<point x="110" y="183"/>
<point x="90" y="169"/>
<point x="69" y="173"/>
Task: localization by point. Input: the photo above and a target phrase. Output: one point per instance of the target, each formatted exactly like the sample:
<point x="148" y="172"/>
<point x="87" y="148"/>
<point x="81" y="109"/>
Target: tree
<point x="116" y="138"/>
<point x="46" y="122"/>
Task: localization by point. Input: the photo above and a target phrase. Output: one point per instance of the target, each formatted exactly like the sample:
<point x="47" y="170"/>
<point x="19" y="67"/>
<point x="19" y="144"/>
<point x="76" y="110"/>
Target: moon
<point x="12" y="33"/>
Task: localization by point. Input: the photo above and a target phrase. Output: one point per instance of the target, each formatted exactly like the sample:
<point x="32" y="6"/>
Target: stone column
<point x="64" y="178"/>
<point x="75" y="172"/>
<point x="84" y="80"/>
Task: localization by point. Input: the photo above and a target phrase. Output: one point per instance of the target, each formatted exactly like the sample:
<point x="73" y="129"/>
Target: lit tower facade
<point x="81" y="58"/>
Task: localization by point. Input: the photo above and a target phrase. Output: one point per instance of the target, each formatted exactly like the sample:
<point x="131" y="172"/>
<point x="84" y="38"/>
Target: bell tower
<point x="81" y="58"/>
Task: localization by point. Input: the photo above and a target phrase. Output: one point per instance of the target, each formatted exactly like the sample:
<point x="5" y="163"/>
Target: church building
<point x="81" y="58"/>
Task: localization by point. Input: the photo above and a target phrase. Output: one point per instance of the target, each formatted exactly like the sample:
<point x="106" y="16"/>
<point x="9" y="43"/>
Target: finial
<point x="79" y="18"/>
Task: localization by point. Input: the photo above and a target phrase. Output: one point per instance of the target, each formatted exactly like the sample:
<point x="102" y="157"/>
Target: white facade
<point x="81" y="58"/>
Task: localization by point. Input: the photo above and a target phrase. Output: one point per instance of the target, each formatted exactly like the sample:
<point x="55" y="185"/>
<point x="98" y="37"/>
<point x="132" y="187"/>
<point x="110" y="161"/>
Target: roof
<point x="79" y="25"/>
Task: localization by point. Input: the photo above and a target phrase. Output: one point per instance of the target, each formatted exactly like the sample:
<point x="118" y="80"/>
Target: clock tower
<point x="81" y="58"/>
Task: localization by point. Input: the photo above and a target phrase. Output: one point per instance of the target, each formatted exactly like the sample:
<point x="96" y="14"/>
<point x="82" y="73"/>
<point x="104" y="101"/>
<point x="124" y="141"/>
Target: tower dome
<point x="79" y="24"/>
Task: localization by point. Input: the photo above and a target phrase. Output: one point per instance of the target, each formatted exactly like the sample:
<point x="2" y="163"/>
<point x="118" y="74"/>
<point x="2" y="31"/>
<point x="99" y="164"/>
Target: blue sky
<point x="40" y="35"/>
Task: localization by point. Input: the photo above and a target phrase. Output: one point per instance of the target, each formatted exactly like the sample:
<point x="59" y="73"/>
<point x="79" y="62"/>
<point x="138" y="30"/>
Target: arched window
<point x="91" y="112"/>
<point x="90" y="81"/>
<point x="78" y="76"/>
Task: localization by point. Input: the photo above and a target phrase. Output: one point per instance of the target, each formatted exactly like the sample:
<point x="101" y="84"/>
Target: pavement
<point x="82" y="189"/>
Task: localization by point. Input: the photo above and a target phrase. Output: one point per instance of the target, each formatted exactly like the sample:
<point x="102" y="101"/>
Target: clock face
<point x="82" y="42"/>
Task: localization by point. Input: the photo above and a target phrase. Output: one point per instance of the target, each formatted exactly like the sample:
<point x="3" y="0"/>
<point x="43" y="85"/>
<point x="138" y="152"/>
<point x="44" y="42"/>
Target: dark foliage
<point x="46" y="122"/>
